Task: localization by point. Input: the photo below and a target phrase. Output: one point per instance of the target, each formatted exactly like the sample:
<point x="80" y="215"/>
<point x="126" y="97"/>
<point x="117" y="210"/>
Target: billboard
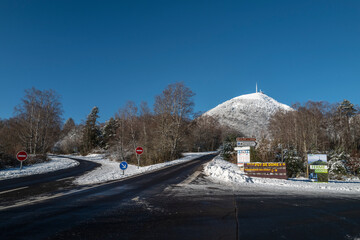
<point x="318" y="168"/>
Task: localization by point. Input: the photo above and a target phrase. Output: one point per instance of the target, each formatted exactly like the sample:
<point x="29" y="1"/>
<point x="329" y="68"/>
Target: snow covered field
<point x="53" y="165"/>
<point x="229" y="174"/>
<point x="110" y="170"/>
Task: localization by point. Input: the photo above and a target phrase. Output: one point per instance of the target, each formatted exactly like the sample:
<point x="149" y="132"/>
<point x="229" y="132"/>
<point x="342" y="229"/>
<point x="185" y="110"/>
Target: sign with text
<point x="266" y="170"/>
<point x="239" y="139"/>
<point x="243" y="155"/>
<point x="318" y="168"/>
<point x="246" y="144"/>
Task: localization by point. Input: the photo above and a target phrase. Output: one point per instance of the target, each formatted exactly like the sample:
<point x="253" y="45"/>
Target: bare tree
<point x="206" y="134"/>
<point x="38" y="120"/>
<point x="172" y="108"/>
<point x="132" y="120"/>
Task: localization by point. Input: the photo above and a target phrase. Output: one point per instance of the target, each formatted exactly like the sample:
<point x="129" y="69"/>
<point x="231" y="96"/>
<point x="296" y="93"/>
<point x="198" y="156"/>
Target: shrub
<point x="294" y="165"/>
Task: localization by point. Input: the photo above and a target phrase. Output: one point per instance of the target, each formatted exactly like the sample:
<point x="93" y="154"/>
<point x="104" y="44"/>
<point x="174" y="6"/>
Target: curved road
<point x="18" y="188"/>
<point x="43" y="219"/>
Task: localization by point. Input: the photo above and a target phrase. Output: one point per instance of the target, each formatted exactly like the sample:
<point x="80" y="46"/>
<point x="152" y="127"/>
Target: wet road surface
<point x="181" y="203"/>
<point x="17" y="189"/>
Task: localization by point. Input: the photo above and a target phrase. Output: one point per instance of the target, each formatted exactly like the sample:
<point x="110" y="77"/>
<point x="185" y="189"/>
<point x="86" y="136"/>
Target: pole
<point x="307" y="166"/>
<point x="20" y="165"/>
<point x="138" y="158"/>
<point x="123" y="172"/>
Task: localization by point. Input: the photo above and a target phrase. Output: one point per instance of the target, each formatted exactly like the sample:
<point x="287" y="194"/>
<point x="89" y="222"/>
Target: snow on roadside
<point x="110" y="170"/>
<point x="54" y="164"/>
<point x="228" y="173"/>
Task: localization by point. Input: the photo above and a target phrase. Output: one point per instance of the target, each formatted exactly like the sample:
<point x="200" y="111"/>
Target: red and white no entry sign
<point x="21" y="156"/>
<point x="139" y="150"/>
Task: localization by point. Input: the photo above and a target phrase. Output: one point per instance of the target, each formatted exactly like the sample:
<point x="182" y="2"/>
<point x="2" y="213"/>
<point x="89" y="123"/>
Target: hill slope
<point x="248" y="113"/>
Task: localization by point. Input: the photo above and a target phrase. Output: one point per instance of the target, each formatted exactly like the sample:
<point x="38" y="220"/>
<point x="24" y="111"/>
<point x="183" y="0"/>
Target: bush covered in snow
<point x="343" y="165"/>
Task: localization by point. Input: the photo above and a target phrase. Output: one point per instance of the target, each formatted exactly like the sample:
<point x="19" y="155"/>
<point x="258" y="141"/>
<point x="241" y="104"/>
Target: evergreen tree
<point x="68" y="126"/>
<point x="109" y="132"/>
<point x="91" y="133"/>
<point x="345" y="111"/>
<point x="346" y="108"/>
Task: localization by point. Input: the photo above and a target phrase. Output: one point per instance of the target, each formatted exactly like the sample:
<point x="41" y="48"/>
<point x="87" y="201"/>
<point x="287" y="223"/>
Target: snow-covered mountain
<point x="248" y="113"/>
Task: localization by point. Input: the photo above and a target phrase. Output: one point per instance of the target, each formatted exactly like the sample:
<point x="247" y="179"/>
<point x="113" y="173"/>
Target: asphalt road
<point x="179" y="202"/>
<point x="42" y="217"/>
<point x="16" y="189"/>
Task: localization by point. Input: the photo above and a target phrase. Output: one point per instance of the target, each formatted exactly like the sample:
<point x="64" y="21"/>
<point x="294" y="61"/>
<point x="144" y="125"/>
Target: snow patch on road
<point x="54" y="164"/>
<point x="227" y="173"/>
<point x="110" y="170"/>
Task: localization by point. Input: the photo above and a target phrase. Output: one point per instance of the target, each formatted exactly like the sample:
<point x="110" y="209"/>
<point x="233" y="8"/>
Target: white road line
<point x="13" y="190"/>
<point x="41" y="199"/>
<point x="63" y="179"/>
<point x="190" y="179"/>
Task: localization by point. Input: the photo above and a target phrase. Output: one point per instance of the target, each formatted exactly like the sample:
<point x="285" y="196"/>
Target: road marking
<point x="135" y="199"/>
<point x="41" y="199"/>
<point x="13" y="190"/>
<point x="190" y="179"/>
<point x="63" y="179"/>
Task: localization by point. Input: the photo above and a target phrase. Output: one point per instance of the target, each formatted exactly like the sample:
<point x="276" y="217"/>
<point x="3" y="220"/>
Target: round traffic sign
<point x="123" y="165"/>
<point x="139" y="150"/>
<point x="21" y="156"/>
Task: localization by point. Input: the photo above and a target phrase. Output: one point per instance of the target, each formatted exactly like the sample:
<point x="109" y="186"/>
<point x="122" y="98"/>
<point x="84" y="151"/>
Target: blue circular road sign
<point x="123" y="165"/>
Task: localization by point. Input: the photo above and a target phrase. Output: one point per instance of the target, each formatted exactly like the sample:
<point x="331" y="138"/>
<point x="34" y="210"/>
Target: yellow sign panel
<point x="269" y="164"/>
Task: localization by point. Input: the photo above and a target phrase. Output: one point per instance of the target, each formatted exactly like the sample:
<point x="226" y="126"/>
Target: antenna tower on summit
<point x="256" y="88"/>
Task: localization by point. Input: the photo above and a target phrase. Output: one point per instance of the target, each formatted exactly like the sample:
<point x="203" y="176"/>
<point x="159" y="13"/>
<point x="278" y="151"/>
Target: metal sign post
<point x="138" y="158"/>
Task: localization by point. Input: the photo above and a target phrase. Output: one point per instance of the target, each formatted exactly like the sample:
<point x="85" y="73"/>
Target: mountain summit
<point x="248" y="113"/>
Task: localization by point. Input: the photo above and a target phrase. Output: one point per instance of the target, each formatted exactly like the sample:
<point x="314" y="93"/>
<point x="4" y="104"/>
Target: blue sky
<point x="104" y="53"/>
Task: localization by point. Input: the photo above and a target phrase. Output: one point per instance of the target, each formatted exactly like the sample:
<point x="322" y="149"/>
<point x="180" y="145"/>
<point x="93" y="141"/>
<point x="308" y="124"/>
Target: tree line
<point x="164" y="132"/>
<point x="315" y="127"/>
<point x="34" y="128"/>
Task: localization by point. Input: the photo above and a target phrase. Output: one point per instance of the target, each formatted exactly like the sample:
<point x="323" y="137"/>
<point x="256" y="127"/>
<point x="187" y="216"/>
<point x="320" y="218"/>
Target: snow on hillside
<point x="248" y="113"/>
<point x="227" y="173"/>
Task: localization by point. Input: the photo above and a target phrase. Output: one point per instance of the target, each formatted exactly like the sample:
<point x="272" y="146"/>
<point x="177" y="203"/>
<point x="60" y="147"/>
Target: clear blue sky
<point x="104" y="53"/>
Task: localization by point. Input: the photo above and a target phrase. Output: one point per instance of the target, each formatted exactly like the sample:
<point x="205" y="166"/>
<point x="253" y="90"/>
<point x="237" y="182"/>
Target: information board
<point x="243" y="155"/>
<point x="318" y="167"/>
<point x="266" y="170"/>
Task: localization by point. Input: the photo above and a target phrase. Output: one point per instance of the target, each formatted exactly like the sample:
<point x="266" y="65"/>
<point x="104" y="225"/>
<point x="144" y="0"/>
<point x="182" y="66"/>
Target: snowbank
<point x="54" y="164"/>
<point x="110" y="170"/>
<point x="228" y="173"/>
